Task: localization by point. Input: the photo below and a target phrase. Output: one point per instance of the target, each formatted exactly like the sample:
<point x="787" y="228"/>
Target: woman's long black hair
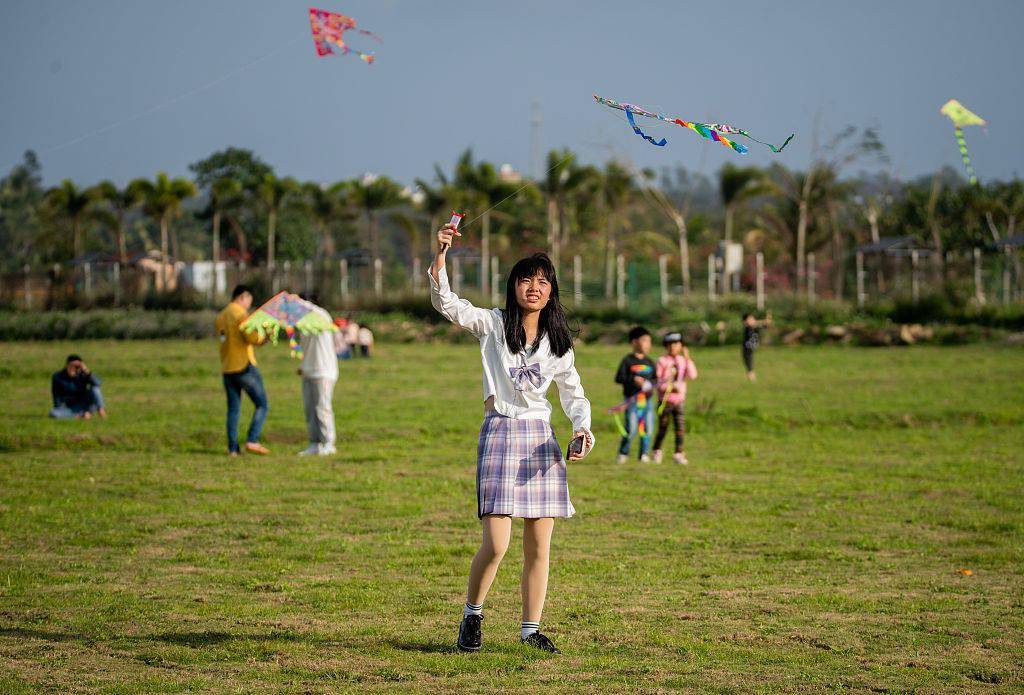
<point x="553" y="322"/>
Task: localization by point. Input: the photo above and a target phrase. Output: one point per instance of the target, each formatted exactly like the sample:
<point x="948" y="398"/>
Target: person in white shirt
<point x="524" y="348"/>
<point x="319" y="371"/>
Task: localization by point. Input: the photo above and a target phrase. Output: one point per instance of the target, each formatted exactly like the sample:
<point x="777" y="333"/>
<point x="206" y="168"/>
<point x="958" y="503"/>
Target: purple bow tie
<point x="530" y="373"/>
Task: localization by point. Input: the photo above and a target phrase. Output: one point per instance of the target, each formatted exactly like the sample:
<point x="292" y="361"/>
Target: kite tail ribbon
<point x="963" y="154"/>
<point x="636" y="129"/>
<point x="772" y="147"/>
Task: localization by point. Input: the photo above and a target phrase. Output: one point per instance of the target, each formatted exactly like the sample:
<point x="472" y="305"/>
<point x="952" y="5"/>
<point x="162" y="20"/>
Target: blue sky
<point x="451" y="75"/>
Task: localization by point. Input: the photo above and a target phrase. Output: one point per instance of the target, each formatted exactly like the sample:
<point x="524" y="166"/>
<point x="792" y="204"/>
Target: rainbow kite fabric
<point x="962" y="116"/>
<point x="289" y="313"/>
<point x="709" y="131"/>
<point x="328" y="28"/>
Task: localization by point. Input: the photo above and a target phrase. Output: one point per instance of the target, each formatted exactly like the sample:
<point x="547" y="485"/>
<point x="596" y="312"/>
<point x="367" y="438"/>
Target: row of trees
<point x="234" y="204"/>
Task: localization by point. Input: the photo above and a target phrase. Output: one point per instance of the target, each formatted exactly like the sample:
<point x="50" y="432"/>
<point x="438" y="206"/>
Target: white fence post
<point x="915" y="286"/>
<point x="343" y="279"/>
<point x="620" y="281"/>
<point x="577" y="280"/>
<point x="663" y="278"/>
<point x="711" y="277"/>
<point x="495" y="293"/>
<point x="860" y="280"/>
<point x="456" y="275"/>
<point x="1006" y="275"/>
<point x="417" y="272"/>
<point x="979" y="290"/>
<point x="378" y="277"/>
<point x="27" y="287"/>
<point x="115" y="272"/>
<point x="759" y="272"/>
<point x="811" y="277"/>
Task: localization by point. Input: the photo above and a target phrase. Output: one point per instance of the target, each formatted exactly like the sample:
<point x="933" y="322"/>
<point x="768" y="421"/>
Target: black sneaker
<point x="541" y="641"/>
<point x="469" y="633"/>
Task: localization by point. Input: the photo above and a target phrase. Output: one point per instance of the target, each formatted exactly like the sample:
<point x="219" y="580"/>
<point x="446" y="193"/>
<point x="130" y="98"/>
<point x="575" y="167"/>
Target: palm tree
<point x="616" y="184"/>
<point x="71" y="203"/>
<point x="224" y="193"/>
<point x="678" y="218"/>
<point x="736" y="185"/>
<point x="120" y="201"/>
<point x="272" y="192"/>
<point x="480" y="180"/>
<point x="563" y="180"/>
<point x="161" y="199"/>
<point x="323" y="203"/>
<point x="835" y="194"/>
<point x="373" y="195"/>
<point x="434" y="200"/>
<point x="793" y="212"/>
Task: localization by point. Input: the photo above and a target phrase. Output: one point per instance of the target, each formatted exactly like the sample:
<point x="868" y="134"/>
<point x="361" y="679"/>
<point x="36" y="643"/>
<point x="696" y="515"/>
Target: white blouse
<point x="519" y="383"/>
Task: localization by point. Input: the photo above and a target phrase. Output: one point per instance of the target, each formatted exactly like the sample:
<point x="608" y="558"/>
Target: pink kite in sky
<point x="328" y="28"/>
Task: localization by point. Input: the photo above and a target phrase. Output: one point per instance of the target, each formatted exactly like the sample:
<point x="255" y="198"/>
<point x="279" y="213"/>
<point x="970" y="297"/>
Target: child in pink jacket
<point x="673" y="370"/>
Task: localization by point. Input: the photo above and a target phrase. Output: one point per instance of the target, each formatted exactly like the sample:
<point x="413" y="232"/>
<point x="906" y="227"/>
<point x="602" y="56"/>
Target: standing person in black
<point x="752" y="340"/>
<point x="636" y="373"/>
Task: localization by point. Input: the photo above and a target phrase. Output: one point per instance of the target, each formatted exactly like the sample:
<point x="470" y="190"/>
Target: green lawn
<point x="812" y="544"/>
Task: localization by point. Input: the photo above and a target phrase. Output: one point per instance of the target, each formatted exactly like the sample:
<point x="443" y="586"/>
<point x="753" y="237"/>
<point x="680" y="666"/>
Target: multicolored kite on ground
<point x="328" y="28"/>
<point x="289" y="313"/>
<point x="710" y="131"/>
<point x="962" y="116"/>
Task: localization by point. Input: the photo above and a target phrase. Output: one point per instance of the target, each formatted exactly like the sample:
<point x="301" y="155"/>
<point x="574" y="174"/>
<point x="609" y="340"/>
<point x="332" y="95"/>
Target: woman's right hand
<point x="446" y="235"/>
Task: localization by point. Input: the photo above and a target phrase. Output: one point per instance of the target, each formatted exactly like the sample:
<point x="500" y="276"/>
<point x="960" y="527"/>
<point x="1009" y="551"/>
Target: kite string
<point x="521" y="188"/>
<point x="172" y="100"/>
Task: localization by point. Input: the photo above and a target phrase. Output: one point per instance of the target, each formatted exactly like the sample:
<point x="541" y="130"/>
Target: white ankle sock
<point x="529" y="627"/>
<point x="471" y="609"/>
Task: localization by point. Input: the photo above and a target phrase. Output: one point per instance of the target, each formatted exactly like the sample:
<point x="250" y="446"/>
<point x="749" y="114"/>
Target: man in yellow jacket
<point x="238" y="364"/>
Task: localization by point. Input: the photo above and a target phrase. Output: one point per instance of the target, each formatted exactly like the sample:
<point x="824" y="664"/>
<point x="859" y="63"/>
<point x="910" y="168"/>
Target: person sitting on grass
<point x="238" y="364"/>
<point x="525" y="348"/>
<point x="674" y="368"/>
<point x="752" y="340"/>
<point x="636" y="374"/>
<point x="76" y="392"/>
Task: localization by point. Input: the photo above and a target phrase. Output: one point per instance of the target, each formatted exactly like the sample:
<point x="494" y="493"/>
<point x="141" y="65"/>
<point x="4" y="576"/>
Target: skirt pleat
<point x="520" y="470"/>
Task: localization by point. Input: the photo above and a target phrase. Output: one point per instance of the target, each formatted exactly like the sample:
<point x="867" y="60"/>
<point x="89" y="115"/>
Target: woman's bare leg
<point x="536" y="552"/>
<point x="496" y="533"/>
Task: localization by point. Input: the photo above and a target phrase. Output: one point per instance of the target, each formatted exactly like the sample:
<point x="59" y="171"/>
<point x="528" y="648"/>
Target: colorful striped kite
<point x="709" y="131"/>
<point x="962" y="116"/>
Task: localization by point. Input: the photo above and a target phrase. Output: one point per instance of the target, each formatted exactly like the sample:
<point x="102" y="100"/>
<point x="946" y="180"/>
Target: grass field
<point x="812" y="544"/>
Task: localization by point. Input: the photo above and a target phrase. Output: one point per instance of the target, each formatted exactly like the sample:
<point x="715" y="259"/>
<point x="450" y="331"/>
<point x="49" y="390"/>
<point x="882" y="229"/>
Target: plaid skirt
<point x="520" y="470"/>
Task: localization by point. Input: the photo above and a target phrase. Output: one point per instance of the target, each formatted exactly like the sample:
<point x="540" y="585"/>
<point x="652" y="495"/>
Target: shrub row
<point x="719" y="325"/>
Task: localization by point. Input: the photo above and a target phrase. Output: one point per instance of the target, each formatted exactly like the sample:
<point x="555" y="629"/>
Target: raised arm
<point x="574" y="401"/>
<point x="459" y="311"/>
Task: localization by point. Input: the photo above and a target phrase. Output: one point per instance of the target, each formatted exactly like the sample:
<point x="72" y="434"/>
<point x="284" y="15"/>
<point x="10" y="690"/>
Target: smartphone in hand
<point x="575" y="448"/>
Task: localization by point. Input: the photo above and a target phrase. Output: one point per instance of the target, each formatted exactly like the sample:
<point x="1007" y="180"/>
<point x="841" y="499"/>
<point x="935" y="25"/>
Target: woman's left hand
<point x="588" y="444"/>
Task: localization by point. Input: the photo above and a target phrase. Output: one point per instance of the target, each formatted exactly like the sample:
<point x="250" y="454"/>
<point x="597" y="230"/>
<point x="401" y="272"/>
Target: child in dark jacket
<point x="636" y="374"/>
